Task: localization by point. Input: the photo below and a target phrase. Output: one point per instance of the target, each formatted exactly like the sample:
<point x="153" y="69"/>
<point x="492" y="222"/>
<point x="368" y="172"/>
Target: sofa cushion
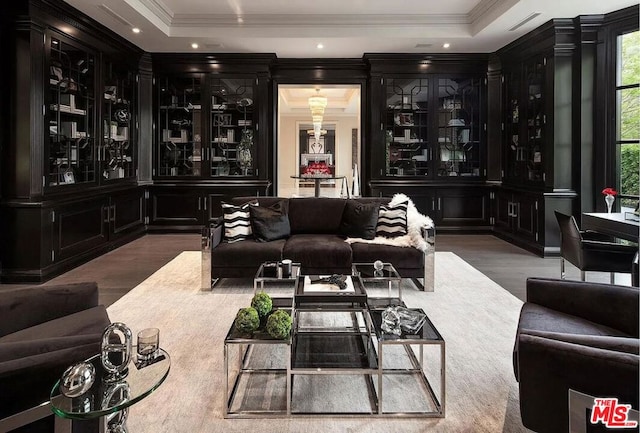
<point x="237" y="221"/>
<point x="359" y="220"/>
<point x="399" y="257"/>
<point x="319" y="253"/>
<point x="248" y="254"/>
<point x="91" y="321"/>
<point x="539" y="318"/>
<point x="392" y="220"/>
<point x="315" y="215"/>
<point x="270" y="223"/>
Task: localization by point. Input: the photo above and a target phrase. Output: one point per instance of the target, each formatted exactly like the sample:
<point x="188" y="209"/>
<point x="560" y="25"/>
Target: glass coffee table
<point x="271" y="272"/>
<point x="373" y="278"/>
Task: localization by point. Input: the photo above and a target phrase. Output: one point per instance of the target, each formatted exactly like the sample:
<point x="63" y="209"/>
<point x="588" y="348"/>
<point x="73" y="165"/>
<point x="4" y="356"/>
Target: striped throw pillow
<point x="237" y="221"/>
<point x="392" y="220"/>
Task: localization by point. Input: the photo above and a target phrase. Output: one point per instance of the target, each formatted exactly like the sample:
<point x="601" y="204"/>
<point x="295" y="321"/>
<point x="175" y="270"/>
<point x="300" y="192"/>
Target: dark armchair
<point x="43" y="330"/>
<point x="575" y="335"/>
<point x="590" y="251"/>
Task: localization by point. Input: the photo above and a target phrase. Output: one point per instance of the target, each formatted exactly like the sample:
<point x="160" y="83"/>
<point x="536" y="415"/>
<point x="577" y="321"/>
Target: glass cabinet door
<point x="71" y="115"/>
<point x="534" y="73"/>
<point x="180" y="151"/>
<point x="514" y="146"/>
<point x="118" y="154"/>
<point x="232" y="147"/>
<point x="407" y="150"/>
<point x="459" y="128"/>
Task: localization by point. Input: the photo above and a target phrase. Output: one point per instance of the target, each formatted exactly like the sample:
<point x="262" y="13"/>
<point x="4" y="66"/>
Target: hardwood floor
<point x="122" y="269"/>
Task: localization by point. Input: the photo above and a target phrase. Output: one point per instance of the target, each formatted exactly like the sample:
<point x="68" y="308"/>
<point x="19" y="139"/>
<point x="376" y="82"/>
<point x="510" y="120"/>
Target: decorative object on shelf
<point x="244" y="150"/>
<point x="355" y="189"/>
<point x="115" y="357"/>
<point x="148" y="344"/>
<point x="317" y="104"/>
<point x="247" y="320"/>
<point x="344" y="189"/>
<point x="609" y="197"/>
<point x="279" y="324"/>
<point x="77" y="379"/>
<point x="391" y="321"/>
<point x="262" y="303"/>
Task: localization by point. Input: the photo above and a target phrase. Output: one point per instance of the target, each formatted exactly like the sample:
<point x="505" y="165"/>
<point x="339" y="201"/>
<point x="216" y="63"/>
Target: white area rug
<point x="476" y="317"/>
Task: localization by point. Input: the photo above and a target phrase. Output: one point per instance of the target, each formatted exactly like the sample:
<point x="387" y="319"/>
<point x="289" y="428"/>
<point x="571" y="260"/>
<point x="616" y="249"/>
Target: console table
<point x="317" y="181"/>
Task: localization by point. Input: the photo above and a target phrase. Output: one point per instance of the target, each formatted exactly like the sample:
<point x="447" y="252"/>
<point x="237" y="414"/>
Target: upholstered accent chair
<point x="575" y="335"/>
<point x="591" y="251"/>
<point x="43" y="330"/>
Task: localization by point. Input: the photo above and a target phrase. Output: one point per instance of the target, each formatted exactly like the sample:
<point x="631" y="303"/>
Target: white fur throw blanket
<point x="415" y="222"/>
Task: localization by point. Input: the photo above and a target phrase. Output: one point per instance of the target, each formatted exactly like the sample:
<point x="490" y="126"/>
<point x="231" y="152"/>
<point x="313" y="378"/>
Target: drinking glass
<point x="148" y="343"/>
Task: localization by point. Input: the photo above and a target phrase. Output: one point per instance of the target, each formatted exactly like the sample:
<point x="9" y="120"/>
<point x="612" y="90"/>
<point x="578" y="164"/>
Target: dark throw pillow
<point x="359" y="220"/>
<point x="392" y="220"/>
<point x="237" y="221"/>
<point x="270" y="223"/>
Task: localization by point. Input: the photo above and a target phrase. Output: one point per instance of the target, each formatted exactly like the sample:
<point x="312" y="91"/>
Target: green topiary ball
<point x="247" y="320"/>
<point x="262" y="303"/>
<point x="279" y="324"/>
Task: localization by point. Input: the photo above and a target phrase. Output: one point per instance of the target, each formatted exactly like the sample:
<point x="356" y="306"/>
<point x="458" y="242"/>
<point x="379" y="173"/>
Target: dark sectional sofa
<point x="316" y="243"/>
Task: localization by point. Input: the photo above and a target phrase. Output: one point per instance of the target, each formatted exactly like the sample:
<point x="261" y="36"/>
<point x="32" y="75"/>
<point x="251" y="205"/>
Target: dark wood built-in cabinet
<point x="537" y="146"/>
<point x="431" y="143"/>
<point x="69" y="150"/>
<point x="211" y="140"/>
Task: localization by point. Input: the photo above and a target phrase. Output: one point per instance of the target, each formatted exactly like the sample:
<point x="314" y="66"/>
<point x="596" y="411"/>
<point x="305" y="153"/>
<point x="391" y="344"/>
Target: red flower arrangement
<point x="609" y="191"/>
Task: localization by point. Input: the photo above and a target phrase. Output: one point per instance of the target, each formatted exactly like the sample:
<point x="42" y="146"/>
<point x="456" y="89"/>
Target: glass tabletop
<point x="272" y="271"/>
<point x="260" y="335"/>
<point x="104" y="398"/>
<point x="426" y="333"/>
<point x="367" y="272"/>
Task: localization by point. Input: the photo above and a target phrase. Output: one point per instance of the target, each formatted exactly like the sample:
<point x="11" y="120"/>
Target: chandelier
<point x="317" y="104"/>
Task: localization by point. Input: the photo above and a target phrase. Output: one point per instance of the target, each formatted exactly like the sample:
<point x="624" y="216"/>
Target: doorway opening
<point x="303" y="149"/>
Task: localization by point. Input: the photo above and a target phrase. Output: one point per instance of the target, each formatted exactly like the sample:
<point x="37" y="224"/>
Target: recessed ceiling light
<point x="135" y="30"/>
<point x="240" y="20"/>
<point x="194" y="45"/>
<point x="319" y="46"/>
<point x="446" y="45"/>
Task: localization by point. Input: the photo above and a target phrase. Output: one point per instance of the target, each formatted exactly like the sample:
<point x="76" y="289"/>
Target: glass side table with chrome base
<point x="111" y="400"/>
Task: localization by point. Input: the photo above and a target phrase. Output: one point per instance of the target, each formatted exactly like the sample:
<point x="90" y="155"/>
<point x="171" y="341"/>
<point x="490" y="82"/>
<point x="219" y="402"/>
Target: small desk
<point x="317" y="181"/>
<point x="612" y="224"/>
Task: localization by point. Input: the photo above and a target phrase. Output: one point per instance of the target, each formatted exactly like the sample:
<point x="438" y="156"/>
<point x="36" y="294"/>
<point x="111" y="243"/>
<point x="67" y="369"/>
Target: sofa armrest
<point x="24" y="307"/>
<point x="548" y="368"/>
<point x="217" y="232"/>
<point x="606" y="304"/>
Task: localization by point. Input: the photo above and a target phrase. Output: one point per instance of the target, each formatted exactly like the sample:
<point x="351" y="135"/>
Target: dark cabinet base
<point x="452" y="207"/>
<point x="42" y="240"/>
<point x="189" y="207"/>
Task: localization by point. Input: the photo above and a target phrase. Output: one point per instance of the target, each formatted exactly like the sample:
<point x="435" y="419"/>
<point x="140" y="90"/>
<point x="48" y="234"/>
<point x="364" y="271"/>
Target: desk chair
<point x="590" y="251"/>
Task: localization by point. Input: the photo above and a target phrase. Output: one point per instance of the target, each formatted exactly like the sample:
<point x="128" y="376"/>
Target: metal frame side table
<point x="388" y="274"/>
<point x="261" y="278"/>
<point x="246" y="345"/>
<point x="428" y="335"/>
